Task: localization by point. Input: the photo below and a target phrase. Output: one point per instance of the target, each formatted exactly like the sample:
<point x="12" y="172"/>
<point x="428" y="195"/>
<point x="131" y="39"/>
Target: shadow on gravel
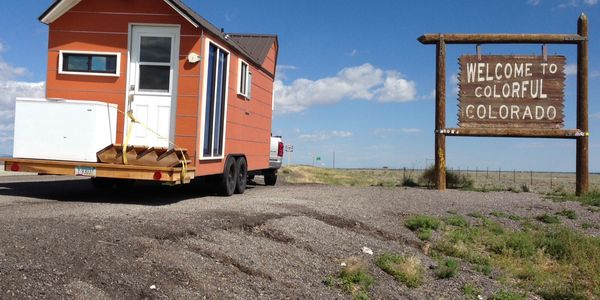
<point x="81" y="190"/>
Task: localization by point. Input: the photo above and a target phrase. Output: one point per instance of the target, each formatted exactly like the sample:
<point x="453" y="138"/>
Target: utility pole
<point x="334" y="159"/>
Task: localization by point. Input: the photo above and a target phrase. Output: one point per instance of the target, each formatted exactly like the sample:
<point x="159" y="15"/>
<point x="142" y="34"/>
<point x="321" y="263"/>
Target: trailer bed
<point x="167" y="175"/>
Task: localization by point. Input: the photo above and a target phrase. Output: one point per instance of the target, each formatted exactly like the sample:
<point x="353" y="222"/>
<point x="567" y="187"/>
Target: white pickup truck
<point x="275" y="161"/>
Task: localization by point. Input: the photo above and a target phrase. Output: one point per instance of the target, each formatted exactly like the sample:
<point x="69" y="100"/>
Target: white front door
<point x="154" y="62"/>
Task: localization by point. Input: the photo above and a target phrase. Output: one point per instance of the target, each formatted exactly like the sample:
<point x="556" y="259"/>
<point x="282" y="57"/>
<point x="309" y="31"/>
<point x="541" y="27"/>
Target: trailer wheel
<point x="229" y="177"/>
<point x="242" y="178"/>
<point x="270" y="177"/>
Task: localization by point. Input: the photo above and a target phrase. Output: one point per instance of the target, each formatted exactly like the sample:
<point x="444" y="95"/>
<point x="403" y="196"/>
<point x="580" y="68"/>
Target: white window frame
<point x="61" y="54"/>
<point x="207" y="42"/>
<point x="244" y="77"/>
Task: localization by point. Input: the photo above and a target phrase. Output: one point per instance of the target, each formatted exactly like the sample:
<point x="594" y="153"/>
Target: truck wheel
<point x="229" y="178"/>
<point x="242" y="178"/>
<point x="271" y="177"/>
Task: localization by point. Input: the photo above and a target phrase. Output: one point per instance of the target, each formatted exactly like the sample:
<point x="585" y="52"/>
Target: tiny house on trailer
<point x="148" y="90"/>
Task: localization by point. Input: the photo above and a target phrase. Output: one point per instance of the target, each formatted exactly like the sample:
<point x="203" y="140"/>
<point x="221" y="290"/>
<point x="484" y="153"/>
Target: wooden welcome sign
<point x="511" y="91"/>
<point x="511" y="95"/>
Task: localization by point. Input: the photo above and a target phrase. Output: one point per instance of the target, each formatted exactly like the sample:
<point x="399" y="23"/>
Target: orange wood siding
<point x="103" y="26"/>
<point x="270" y="61"/>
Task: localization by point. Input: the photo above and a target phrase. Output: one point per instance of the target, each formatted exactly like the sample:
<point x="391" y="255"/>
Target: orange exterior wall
<point x="103" y="25"/>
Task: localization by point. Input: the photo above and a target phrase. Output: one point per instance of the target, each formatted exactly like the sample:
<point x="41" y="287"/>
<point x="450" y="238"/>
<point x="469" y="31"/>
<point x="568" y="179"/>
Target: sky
<point x="353" y="80"/>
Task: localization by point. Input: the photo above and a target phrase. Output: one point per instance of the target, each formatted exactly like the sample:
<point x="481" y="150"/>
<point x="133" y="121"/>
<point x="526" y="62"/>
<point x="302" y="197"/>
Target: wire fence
<point x="514" y="180"/>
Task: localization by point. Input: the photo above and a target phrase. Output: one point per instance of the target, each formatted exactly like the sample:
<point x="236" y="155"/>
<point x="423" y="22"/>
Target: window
<point x="89" y="63"/>
<point x="216" y="101"/>
<point x="245" y="82"/>
<point x="155" y="64"/>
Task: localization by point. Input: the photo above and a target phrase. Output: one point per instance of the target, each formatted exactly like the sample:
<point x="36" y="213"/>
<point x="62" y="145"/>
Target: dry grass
<point x="340" y="177"/>
<point x="408" y="270"/>
<point x="492" y="180"/>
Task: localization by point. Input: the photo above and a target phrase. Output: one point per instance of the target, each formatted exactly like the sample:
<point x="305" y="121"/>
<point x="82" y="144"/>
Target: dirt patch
<point x="270" y="243"/>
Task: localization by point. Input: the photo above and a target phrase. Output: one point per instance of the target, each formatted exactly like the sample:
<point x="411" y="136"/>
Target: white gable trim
<point x="59" y="10"/>
<point x="181" y="13"/>
<point x="65" y="5"/>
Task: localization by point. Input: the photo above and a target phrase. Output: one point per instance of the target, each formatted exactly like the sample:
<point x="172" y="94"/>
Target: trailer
<point x="148" y="90"/>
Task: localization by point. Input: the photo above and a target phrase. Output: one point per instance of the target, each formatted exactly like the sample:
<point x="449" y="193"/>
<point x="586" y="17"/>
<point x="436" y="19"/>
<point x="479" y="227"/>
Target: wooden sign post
<point x="513" y="96"/>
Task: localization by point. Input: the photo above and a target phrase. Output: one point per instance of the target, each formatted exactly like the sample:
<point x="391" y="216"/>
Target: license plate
<point x="85" y="171"/>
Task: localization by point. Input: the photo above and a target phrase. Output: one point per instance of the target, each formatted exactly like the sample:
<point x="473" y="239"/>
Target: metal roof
<point x="249" y="45"/>
<point x="256" y="45"/>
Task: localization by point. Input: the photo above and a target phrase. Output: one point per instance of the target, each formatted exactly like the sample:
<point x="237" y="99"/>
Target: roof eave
<point x="57" y="9"/>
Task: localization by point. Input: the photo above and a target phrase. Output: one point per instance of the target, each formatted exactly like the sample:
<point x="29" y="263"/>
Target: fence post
<point x="531" y="177"/>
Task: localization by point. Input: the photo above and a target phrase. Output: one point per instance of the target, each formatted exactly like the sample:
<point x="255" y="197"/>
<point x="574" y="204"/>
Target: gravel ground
<point x="61" y="239"/>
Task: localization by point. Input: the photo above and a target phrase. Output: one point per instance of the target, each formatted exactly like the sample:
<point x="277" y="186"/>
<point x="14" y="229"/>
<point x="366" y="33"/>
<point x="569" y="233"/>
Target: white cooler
<point x="68" y="130"/>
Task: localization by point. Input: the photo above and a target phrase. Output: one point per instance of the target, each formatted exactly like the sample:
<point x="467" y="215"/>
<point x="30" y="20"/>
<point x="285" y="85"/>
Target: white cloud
<point x="353" y="53"/>
<point x="1" y="48"/>
<point x="325" y="135"/>
<point x="595" y="116"/>
<point x="8" y="72"/>
<point x="385" y="133"/>
<point x="341" y="133"/>
<point x="576" y="3"/>
<point x="534" y="2"/>
<point x="570" y="3"/>
<point x="282" y="71"/>
<point x="286" y="67"/>
<point x="10" y="88"/>
<point x="363" y="82"/>
<point x="454" y="83"/>
<point x="571" y="69"/>
<point x="412" y="130"/>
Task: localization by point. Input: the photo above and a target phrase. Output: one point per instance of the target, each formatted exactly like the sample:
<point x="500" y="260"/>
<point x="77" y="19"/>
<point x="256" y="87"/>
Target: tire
<point x="242" y="177"/>
<point x="270" y="177"/>
<point x="229" y="178"/>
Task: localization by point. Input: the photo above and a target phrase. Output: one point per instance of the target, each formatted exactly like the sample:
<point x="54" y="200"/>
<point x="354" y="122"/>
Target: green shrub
<point x="453" y="180"/>
<point x="406" y="270"/>
<point x="424" y="234"/>
<point x="525" y="188"/>
<point x="499" y="214"/>
<point x="456" y="220"/>
<point x="520" y="244"/>
<point x="548" y="219"/>
<point x="570" y="214"/>
<point x="471" y="292"/>
<point x="409" y="182"/>
<point x="355" y="279"/>
<point x="592" y="198"/>
<point x="475" y="214"/>
<point x="448" y="269"/>
<point x="507" y="295"/>
<point x="422" y="222"/>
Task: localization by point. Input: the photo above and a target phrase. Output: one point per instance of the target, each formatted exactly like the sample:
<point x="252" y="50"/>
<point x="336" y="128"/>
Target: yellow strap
<point x="133" y="120"/>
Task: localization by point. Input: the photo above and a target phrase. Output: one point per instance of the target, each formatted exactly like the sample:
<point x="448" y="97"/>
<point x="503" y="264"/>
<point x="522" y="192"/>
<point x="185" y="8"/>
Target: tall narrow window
<point x="245" y="80"/>
<point x="216" y="101"/>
